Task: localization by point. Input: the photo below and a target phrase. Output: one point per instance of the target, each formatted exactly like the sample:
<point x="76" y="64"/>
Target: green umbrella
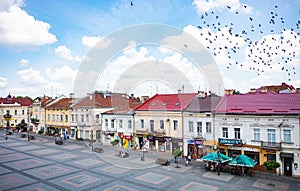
<point x="243" y="160"/>
<point x="213" y="157"/>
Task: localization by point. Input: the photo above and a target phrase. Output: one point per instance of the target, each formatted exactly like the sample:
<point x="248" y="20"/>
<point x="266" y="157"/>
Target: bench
<point x="98" y="150"/>
<point x="59" y="142"/>
<point x="123" y="154"/>
<point x="163" y="161"/>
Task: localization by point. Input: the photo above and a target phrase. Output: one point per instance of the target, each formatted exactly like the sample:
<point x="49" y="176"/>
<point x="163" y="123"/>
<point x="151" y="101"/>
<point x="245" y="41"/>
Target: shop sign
<point x="230" y="141"/>
<point x="127" y="137"/>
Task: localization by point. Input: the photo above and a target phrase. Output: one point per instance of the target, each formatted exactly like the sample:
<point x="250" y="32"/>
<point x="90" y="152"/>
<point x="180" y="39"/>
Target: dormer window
<point x="164" y="104"/>
<point x="177" y="104"/>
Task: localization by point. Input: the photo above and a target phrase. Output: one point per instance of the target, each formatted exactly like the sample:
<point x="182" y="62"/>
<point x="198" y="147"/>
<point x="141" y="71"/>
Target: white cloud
<point x="3" y="82"/>
<point x="92" y="41"/>
<point x="66" y="53"/>
<point x="20" y="30"/>
<point x="23" y="62"/>
<point x="31" y="77"/>
<point x="62" y="73"/>
<point x="207" y="5"/>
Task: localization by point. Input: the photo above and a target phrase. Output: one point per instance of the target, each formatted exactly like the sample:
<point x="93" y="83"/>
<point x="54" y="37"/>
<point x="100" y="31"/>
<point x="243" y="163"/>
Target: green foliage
<point x="18" y="127"/>
<point x="40" y="132"/>
<point x="177" y="153"/>
<point x="271" y="165"/>
<point x="114" y="142"/>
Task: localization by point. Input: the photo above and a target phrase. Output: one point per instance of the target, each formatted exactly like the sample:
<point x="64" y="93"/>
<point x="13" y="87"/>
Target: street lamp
<point x="218" y="161"/>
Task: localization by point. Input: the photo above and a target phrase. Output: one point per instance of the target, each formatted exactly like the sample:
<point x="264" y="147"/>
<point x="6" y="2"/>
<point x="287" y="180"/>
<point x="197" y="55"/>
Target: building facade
<point x="17" y="109"/>
<point x="159" y="122"/>
<point x="263" y="125"/>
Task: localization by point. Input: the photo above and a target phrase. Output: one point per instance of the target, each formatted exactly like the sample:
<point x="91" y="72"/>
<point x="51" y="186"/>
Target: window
<point x="256" y="134"/>
<point x="199" y="128"/>
<point x="61" y="118"/>
<point x="87" y="118"/>
<point x="48" y="117"/>
<point x="23" y="112"/>
<point x="271" y="135"/>
<point x="191" y="126"/>
<point x="82" y="118"/>
<point x="72" y="117"/>
<point x="87" y="134"/>
<point x="142" y="123"/>
<point x="287" y="135"/>
<point x="16" y="112"/>
<point x="208" y="127"/>
<point x="162" y="124"/>
<point x="53" y="117"/>
<point x="8" y="112"/>
<point x="120" y="123"/>
<point x="112" y="123"/>
<point x="76" y="117"/>
<point x="151" y="125"/>
<point x="66" y="118"/>
<point x="57" y="118"/>
<point x="43" y="117"/>
<point x="237" y="133"/>
<point x="225" y="132"/>
<point x="129" y="124"/>
<point x="175" y="125"/>
<point x="106" y="123"/>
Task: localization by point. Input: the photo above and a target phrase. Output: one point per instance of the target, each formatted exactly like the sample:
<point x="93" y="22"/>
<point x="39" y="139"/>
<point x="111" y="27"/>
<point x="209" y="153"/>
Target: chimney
<point x="298" y="90"/>
<point x="252" y="90"/>
<point x="228" y="92"/>
<point x="263" y="89"/>
<point x="179" y="91"/>
<point x="72" y="95"/>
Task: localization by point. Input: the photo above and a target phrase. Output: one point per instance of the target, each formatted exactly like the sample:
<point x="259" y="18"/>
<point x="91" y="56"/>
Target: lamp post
<point x="218" y="161"/>
<point x="143" y="155"/>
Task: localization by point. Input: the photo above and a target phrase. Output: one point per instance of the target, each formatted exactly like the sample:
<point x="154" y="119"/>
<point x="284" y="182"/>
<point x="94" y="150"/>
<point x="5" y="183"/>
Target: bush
<point x="40" y="132"/>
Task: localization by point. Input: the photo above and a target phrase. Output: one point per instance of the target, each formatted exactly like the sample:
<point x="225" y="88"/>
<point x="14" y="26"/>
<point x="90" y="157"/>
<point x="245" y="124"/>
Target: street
<point x="42" y="165"/>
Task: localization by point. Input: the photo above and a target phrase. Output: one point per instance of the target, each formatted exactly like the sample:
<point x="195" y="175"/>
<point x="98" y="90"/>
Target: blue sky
<point x="43" y="42"/>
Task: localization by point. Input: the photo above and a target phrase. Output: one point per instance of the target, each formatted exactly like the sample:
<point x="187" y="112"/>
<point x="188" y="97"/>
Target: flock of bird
<point x="262" y="54"/>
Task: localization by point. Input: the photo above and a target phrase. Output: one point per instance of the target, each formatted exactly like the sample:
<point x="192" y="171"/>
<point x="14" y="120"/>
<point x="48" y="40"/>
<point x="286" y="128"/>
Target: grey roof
<point x="203" y="104"/>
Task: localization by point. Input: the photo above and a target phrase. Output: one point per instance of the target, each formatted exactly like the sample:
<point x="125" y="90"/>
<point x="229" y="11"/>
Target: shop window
<point x="225" y="132"/>
<point x="287" y="135"/>
<point x="271" y="157"/>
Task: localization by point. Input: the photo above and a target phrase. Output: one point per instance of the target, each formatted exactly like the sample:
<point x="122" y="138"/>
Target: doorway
<point x="287" y="166"/>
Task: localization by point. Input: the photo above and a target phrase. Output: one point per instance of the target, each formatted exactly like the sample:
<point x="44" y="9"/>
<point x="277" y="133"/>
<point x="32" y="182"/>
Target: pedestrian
<point x="186" y="161"/>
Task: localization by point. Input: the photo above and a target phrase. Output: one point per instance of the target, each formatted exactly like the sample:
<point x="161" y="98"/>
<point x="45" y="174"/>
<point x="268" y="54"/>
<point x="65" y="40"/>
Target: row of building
<point x="263" y="124"/>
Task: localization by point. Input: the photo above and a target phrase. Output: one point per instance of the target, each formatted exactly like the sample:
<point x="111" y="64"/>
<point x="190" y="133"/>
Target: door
<point x="287" y="166"/>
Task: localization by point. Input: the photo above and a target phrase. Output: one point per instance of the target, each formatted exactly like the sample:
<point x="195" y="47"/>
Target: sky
<point x="46" y="44"/>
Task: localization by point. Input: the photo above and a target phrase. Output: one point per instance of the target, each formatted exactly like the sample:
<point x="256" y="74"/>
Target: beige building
<point x="13" y="110"/>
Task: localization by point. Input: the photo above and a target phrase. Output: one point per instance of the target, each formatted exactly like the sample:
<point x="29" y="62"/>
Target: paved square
<point x="47" y="151"/>
<point x="278" y="186"/>
<point x="5" y="151"/>
<point x="51" y="171"/>
<point x="80" y="181"/>
<point x="4" y="170"/>
<point x="13" y="157"/>
<point x="37" y="187"/>
<point x="153" y="178"/>
<point x="87" y="162"/>
<point x="63" y="156"/>
<point x="198" y="186"/>
<point x="28" y="163"/>
<point x="28" y="147"/>
<point x="72" y="147"/>
<point x="214" y="175"/>
<point x="13" y="180"/>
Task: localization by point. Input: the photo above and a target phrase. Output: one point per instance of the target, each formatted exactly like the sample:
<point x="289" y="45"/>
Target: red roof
<point x="112" y="100"/>
<point x="167" y="102"/>
<point x="260" y="103"/>
<point x="63" y="103"/>
<point x="23" y="101"/>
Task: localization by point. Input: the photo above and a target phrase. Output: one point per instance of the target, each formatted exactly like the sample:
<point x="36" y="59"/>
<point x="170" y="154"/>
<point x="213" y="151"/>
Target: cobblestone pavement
<point x="41" y="165"/>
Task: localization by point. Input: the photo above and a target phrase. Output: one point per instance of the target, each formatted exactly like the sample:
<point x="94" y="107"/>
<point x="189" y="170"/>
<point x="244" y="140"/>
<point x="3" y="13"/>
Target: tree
<point x="114" y="143"/>
<point x="177" y="153"/>
<point x="271" y="165"/>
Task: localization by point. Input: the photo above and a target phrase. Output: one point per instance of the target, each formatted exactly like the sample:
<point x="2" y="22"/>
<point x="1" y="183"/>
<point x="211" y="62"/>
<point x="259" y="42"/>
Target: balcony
<point x="271" y="145"/>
